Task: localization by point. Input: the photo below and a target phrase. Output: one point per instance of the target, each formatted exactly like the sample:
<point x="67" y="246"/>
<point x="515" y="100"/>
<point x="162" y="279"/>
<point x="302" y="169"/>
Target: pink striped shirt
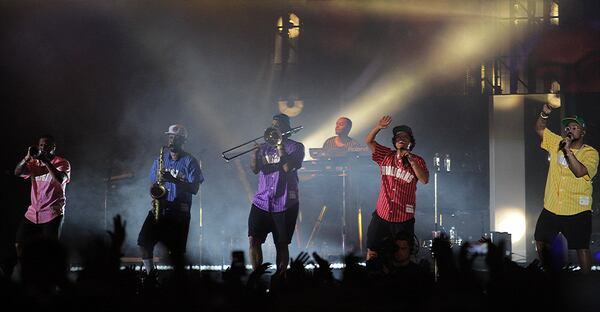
<point x="47" y="195"/>
<point x="397" y="196"/>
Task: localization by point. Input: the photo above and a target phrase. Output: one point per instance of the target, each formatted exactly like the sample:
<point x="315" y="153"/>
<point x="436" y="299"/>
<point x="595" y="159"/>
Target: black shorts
<point x="29" y="231"/>
<point x="172" y="231"/>
<point x="380" y="229"/>
<point x="281" y="224"/>
<point x="577" y="229"/>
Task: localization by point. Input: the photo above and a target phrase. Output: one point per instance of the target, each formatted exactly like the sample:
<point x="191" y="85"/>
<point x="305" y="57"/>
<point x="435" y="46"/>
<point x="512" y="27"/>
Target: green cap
<point x="565" y="122"/>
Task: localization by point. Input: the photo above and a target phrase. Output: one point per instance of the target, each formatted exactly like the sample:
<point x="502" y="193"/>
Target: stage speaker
<point x="497" y="237"/>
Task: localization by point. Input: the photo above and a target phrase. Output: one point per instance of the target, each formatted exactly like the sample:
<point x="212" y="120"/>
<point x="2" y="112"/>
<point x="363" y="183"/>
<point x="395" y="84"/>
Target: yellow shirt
<point x="566" y="194"/>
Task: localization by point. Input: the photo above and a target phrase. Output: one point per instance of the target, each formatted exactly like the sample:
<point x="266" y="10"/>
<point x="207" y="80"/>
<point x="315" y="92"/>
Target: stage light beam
<point x="459" y="44"/>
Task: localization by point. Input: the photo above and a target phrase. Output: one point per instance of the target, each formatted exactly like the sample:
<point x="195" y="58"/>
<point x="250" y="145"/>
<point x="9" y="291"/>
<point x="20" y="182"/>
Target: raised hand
<point x="31" y="152"/>
<point x="384" y="122"/>
<point x="257" y="273"/>
<point x="321" y="262"/>
<point x="323" y="272"/>
<point x="300" y="262"/>
<point x="117" y="236"/>
<point x="552" y="101"/>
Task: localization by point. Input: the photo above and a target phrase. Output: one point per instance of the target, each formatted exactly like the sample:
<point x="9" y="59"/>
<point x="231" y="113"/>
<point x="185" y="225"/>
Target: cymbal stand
<point x="316" y="227"/>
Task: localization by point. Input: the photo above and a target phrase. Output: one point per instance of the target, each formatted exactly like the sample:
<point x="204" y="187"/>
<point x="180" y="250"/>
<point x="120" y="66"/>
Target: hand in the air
<point x="117" y="236"/>
<point x="384" y="122"/>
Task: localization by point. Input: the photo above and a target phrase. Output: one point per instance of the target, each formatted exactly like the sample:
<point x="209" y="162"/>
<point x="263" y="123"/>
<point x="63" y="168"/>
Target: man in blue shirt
<point x="181" y="177"/>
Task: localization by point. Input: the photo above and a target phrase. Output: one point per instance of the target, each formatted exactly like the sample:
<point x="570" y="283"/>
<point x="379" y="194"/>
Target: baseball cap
<point x="402" y="128"/>
<point x="565" y="121"/>
<point x="177" y="130"/>
<point x="283" y="118"/>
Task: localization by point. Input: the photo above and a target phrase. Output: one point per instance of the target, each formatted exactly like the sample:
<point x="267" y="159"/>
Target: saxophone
<point x="158" y="191"/>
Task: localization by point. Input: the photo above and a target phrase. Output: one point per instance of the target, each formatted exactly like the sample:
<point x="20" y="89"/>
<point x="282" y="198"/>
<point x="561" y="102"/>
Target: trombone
<point x="271" y="136"/>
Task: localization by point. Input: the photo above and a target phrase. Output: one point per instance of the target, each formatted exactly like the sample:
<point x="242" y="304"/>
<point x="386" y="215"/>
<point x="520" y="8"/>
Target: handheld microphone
<point x="34" y="152"/>
<point x="405" y="162"/>
<point x="404" y="158"/>
<point x="562" y="143"/>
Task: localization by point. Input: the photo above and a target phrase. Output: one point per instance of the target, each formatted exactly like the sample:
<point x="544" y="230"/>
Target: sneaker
<point x="148" y="281"/>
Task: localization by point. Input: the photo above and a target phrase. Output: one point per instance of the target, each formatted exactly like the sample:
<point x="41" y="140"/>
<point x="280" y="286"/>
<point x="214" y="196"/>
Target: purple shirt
<point x="277" y="189"/>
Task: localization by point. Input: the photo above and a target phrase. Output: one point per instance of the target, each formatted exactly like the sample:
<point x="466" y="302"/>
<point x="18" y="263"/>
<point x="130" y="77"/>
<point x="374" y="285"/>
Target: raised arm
<point x="383" y="123"/>
<point x="21" y="167"/>
<point x="542" y="120"/>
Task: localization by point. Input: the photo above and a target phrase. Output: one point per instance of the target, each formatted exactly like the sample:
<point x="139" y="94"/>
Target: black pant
<point x="169" y="230"/>
<point x="29" y="231"/>
<point x="281" y="224"/>
<point x="380" y="229"/>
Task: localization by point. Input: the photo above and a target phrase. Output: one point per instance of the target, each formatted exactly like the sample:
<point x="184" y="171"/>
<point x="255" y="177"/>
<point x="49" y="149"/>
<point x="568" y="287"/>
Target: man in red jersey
<point x="400" y="170"/>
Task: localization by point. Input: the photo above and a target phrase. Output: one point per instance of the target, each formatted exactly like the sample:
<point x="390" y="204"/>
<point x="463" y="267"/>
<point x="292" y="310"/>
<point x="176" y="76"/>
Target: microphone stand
<point x="436" y="169"/>
<point x="200" y="222"/>
<point x="108" y="181"/>
<point x="437" y="164"/>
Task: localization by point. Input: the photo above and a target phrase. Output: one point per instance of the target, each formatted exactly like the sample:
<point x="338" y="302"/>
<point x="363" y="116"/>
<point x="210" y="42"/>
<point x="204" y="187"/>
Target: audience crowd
<point x="391" y="282"/>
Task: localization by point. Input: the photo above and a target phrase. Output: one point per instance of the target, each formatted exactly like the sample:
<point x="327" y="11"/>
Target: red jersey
<point x="397" y="197"/>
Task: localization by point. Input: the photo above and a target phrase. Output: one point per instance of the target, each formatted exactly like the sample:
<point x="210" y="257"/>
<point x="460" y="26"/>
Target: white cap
<point x="177" y="130"/>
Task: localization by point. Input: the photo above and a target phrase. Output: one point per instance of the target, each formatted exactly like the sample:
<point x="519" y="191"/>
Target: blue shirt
<point x="277" y="189"/>
<point x="187" y="169"/>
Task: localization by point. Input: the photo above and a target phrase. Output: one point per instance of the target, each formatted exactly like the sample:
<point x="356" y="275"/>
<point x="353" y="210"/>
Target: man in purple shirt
<point x="275" y="205"/>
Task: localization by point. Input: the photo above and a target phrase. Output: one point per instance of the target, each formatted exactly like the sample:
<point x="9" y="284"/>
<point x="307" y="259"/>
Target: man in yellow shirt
<point x="568" y="193"/>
